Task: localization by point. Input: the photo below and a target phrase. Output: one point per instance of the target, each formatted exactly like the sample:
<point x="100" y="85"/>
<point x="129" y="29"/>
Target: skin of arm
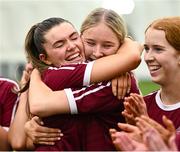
<point x="35" y="96"/>
<point x="121" y="61"/>
<point x="17" y="136"/>
<point x="40" y="103"/>
<point x="4" y="144"/>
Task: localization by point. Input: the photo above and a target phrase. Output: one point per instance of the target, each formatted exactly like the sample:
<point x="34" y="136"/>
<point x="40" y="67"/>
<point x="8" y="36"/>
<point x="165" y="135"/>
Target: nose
<point x="71" y="45"/>
<point x="148" y="56"/>
<point x="97" y="52"/>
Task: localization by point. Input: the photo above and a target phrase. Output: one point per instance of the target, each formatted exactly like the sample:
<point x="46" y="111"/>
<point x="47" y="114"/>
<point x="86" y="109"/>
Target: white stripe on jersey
<point x="66" y="67"/>
<point x="6" y="128"/>
<point x="61" y="68"/>
<point x="71" y="101"/>
<point x="11" y="81"/>
<point x="87" y="74"/>
<point x="91" y="91"/>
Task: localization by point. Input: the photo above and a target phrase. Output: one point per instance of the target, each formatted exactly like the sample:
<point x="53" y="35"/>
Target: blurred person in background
<point x="8" y="103"/>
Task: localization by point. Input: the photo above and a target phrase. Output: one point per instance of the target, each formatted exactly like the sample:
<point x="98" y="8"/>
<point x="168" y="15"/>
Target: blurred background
<point x="17" y="16"/>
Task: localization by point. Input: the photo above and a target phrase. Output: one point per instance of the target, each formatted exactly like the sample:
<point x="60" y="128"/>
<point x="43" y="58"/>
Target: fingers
<point x="129" y="83"/>
<point x="145" y="123"/>
<point x="114" y="86"/>
<point x="154" y="141"/>
<point x="169" y="124"/>
<point x="40" y="134"/>
<point x="172" y="143"/>
<point x="47" y="141"/>
<point x="129" y="118"/>
<point x="124" y="84"/>
<point x="121" y="85"/>
<point x="127" y="127"/>
<point x="140" y="104"/>
<point x="123" y="142"/>
<point x="112" y="133"/>
<point x="131" y="107"/>
<point x="38" y="120"/>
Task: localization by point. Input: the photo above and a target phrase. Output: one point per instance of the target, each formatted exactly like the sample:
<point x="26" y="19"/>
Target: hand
<point x="40" y="134"/>
<point x="123" y="142"/>
<point x="132" y="131"/>
<point x="26" y="74"/>
<point x="145" y="123"/>
<point x="154" y="141"/>
<point x="135" y="106"/>
<point x="121" y="85"/>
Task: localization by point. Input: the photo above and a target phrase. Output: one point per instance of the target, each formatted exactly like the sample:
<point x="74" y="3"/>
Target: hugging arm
<point x="103" y="69"/>
<point x="127" y="58"/>
<point x="17" y="136"/>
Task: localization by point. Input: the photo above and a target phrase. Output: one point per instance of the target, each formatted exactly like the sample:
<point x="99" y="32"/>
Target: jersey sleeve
<point x="8" y="102"/>
<point x="96" y="98"/>
<point x="70" y="76"/>
<point x="93" y="99"/>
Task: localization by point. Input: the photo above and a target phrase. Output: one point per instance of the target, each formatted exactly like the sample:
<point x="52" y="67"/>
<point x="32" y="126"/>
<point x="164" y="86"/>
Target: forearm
<point x="17" y="136"/>
<point x="44" y="102"/>
<point x="127" y="59"/>
<point x="4" y="144"/>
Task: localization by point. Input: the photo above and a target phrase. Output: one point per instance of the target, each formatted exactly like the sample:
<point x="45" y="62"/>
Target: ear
<point x="44" y="59"/>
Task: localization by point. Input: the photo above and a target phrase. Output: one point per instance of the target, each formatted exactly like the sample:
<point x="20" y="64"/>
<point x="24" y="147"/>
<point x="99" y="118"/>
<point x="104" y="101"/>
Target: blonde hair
<point x="171" y="27"/>
<point x="109" y="18"/>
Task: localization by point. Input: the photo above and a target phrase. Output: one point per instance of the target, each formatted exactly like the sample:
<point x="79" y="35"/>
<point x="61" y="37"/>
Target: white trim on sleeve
<point x="87" y="74"/>
<point x="71" y="101"/>
<point x="6" y="128"/>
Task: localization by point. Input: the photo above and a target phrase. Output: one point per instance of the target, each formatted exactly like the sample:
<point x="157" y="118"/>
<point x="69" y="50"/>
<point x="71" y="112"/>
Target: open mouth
<point x="154" y="68"/>
<point x="74" y="58"/>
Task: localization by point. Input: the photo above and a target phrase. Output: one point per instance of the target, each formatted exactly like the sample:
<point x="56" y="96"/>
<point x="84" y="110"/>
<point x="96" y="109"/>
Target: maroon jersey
<point x="156" y="109"/>
<point x="97" y="109"/>
<point x="8" y="101"/>
<point x="178" y="138"/>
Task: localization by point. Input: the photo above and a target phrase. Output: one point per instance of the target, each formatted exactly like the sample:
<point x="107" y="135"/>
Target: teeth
<point x="73" y="56"/>
<point x="153" y="68"/>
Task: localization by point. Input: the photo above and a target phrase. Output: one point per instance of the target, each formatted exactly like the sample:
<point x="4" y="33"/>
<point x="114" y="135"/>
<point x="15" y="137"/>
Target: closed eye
<point x="90" y="43"/>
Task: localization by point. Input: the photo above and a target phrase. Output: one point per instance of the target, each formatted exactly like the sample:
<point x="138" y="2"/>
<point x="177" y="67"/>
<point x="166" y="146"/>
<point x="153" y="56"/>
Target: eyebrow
<point x="74" y="33"/>
<point x="61" y="41"/>
<point x="90" y="39"/>
<point x="145" y="45"/>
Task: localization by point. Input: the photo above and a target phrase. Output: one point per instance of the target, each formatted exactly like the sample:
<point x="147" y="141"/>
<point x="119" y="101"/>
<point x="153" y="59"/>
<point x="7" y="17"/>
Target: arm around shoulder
<point x="109" y="67"/>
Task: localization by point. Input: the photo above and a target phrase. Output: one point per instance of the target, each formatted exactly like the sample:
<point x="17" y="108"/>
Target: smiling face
<point x="161" y="58"/>
<point x="63" y="46"/>
<point x="99" y="41"/>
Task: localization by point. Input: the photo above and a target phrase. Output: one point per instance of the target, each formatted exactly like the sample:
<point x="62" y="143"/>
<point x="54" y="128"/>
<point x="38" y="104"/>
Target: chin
<point x="156" y="80"/>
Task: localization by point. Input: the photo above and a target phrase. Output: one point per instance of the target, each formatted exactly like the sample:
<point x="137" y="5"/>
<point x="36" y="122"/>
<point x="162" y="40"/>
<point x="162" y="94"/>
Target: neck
<point x="170" y="95"/>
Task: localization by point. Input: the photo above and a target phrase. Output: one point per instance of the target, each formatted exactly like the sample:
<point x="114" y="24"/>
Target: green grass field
<point x="147" y="87"/>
